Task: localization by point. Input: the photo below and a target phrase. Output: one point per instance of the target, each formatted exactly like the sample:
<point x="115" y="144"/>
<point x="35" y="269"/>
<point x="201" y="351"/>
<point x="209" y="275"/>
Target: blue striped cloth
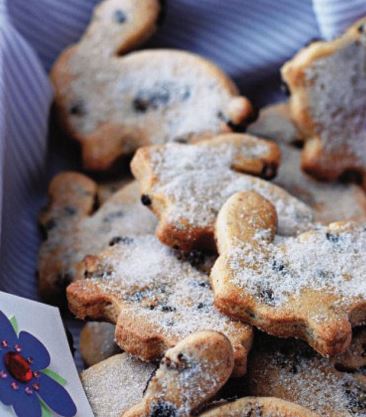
<point x="248" y="39"/>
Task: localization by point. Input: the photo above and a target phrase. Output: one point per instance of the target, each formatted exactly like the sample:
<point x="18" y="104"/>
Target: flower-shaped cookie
<point x="113" y="104"/>
<point x="311" y="286"/>
<point x="290" y="370"/>
<point x="24" y="382"/>
<point x="186" y="185"/>
<point x="155" y="299"/>
<point x="327" y="81"/>
<point x="75" y="228"/>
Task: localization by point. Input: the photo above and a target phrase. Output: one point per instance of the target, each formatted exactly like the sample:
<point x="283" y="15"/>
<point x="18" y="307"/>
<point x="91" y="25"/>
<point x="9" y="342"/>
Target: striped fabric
<point x="248" y="39"/>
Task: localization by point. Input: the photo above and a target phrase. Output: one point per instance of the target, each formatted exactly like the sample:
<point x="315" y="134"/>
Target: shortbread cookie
<point x="107" y="188"/>
<point x="275" y="123"/>
<point x="330" y="202"/>
<point x="185" y="186"/>
<point x="97" y="342"/>
<point x="292" y="371"/>
<point x="116" y="384"/>
<point x="112" y="105"/>
<point x="189" y="375"/>
<point x="259" y="407"/>
<point x="73" y="230"/>
<point x="311" y="286"/>
<point x="327" y="81"/>
<point x="154" y="298"/>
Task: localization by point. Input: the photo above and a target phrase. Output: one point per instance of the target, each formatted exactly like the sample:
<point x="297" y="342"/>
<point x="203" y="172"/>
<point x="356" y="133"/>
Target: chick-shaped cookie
<point x="327" y="81"/>
<point x="186" y="185"/>
<point x="311" y="286"/>
<point x="190" y="375"/>
<point x="154" y="298"/>
<point x="290" y="370"/>
<point x="74" y="228"/>
<point x="113" y="102"/>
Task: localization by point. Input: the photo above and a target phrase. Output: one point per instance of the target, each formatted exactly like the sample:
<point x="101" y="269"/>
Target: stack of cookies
<point x="223" y="247"/>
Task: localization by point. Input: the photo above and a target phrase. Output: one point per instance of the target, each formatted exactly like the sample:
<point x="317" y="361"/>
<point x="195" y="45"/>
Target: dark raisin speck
<point x="70" y="211"/>
<point x="332" y="237"/>
<point x="113" y="215"/>
<point x="77" y="109"/>
<point x="267" y="296"/>
<point x="361" y="28"/>
<point x="119" y="16"/>
<point x="200" y="305"/>
<point x="120" y="239"/>
<point x="162" y="409"/>
<point x="278" y="266"/>
<point x="168" y="309"/>
<point x="146" y="200"/>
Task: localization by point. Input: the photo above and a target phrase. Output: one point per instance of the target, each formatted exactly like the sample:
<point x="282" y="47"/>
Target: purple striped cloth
<point x="248" y="39"/>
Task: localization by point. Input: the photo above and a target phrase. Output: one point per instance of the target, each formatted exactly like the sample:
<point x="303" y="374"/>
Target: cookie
<point x="274" y="122"/>
<point x="154" y="299"/>
<point x="291" y="371"/>
<point x="189" y="375"/>
<point x="74" y="229"/>
<point x="330" y="201"/>
<point x="116" y="384"/>
<point x="186" y="185"/>
<point x="114" y="104"/>
<point x="311" y="286"/>
<point x="327" y="81"/>
<point x="107" y="188"/>
<point x="259" y="407"/>
<point x="97" y="342"/>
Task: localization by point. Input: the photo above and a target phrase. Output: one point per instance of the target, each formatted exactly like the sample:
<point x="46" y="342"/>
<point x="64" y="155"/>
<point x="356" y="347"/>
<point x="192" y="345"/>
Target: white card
<point x="45" y="323"/>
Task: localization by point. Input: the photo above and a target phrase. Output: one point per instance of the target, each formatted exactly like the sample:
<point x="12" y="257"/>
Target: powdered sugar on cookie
<point x="116" y="384"/>
<point x="198" y="179"/>
<point x="322" y="260"/>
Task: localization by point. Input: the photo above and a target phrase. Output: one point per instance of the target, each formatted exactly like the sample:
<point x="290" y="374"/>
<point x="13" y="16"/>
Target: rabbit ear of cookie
<point x="259" y="407"/>
<point x="125" y="24"/>
<point x="245" y="217"/>
<point x="189" y="375"/>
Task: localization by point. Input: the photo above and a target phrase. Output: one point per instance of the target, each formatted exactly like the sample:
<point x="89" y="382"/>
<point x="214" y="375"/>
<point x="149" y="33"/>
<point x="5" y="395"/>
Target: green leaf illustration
<point x="46" y="412"/>
<point x="14" y="323"/>
<point x="54" y="375"/>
